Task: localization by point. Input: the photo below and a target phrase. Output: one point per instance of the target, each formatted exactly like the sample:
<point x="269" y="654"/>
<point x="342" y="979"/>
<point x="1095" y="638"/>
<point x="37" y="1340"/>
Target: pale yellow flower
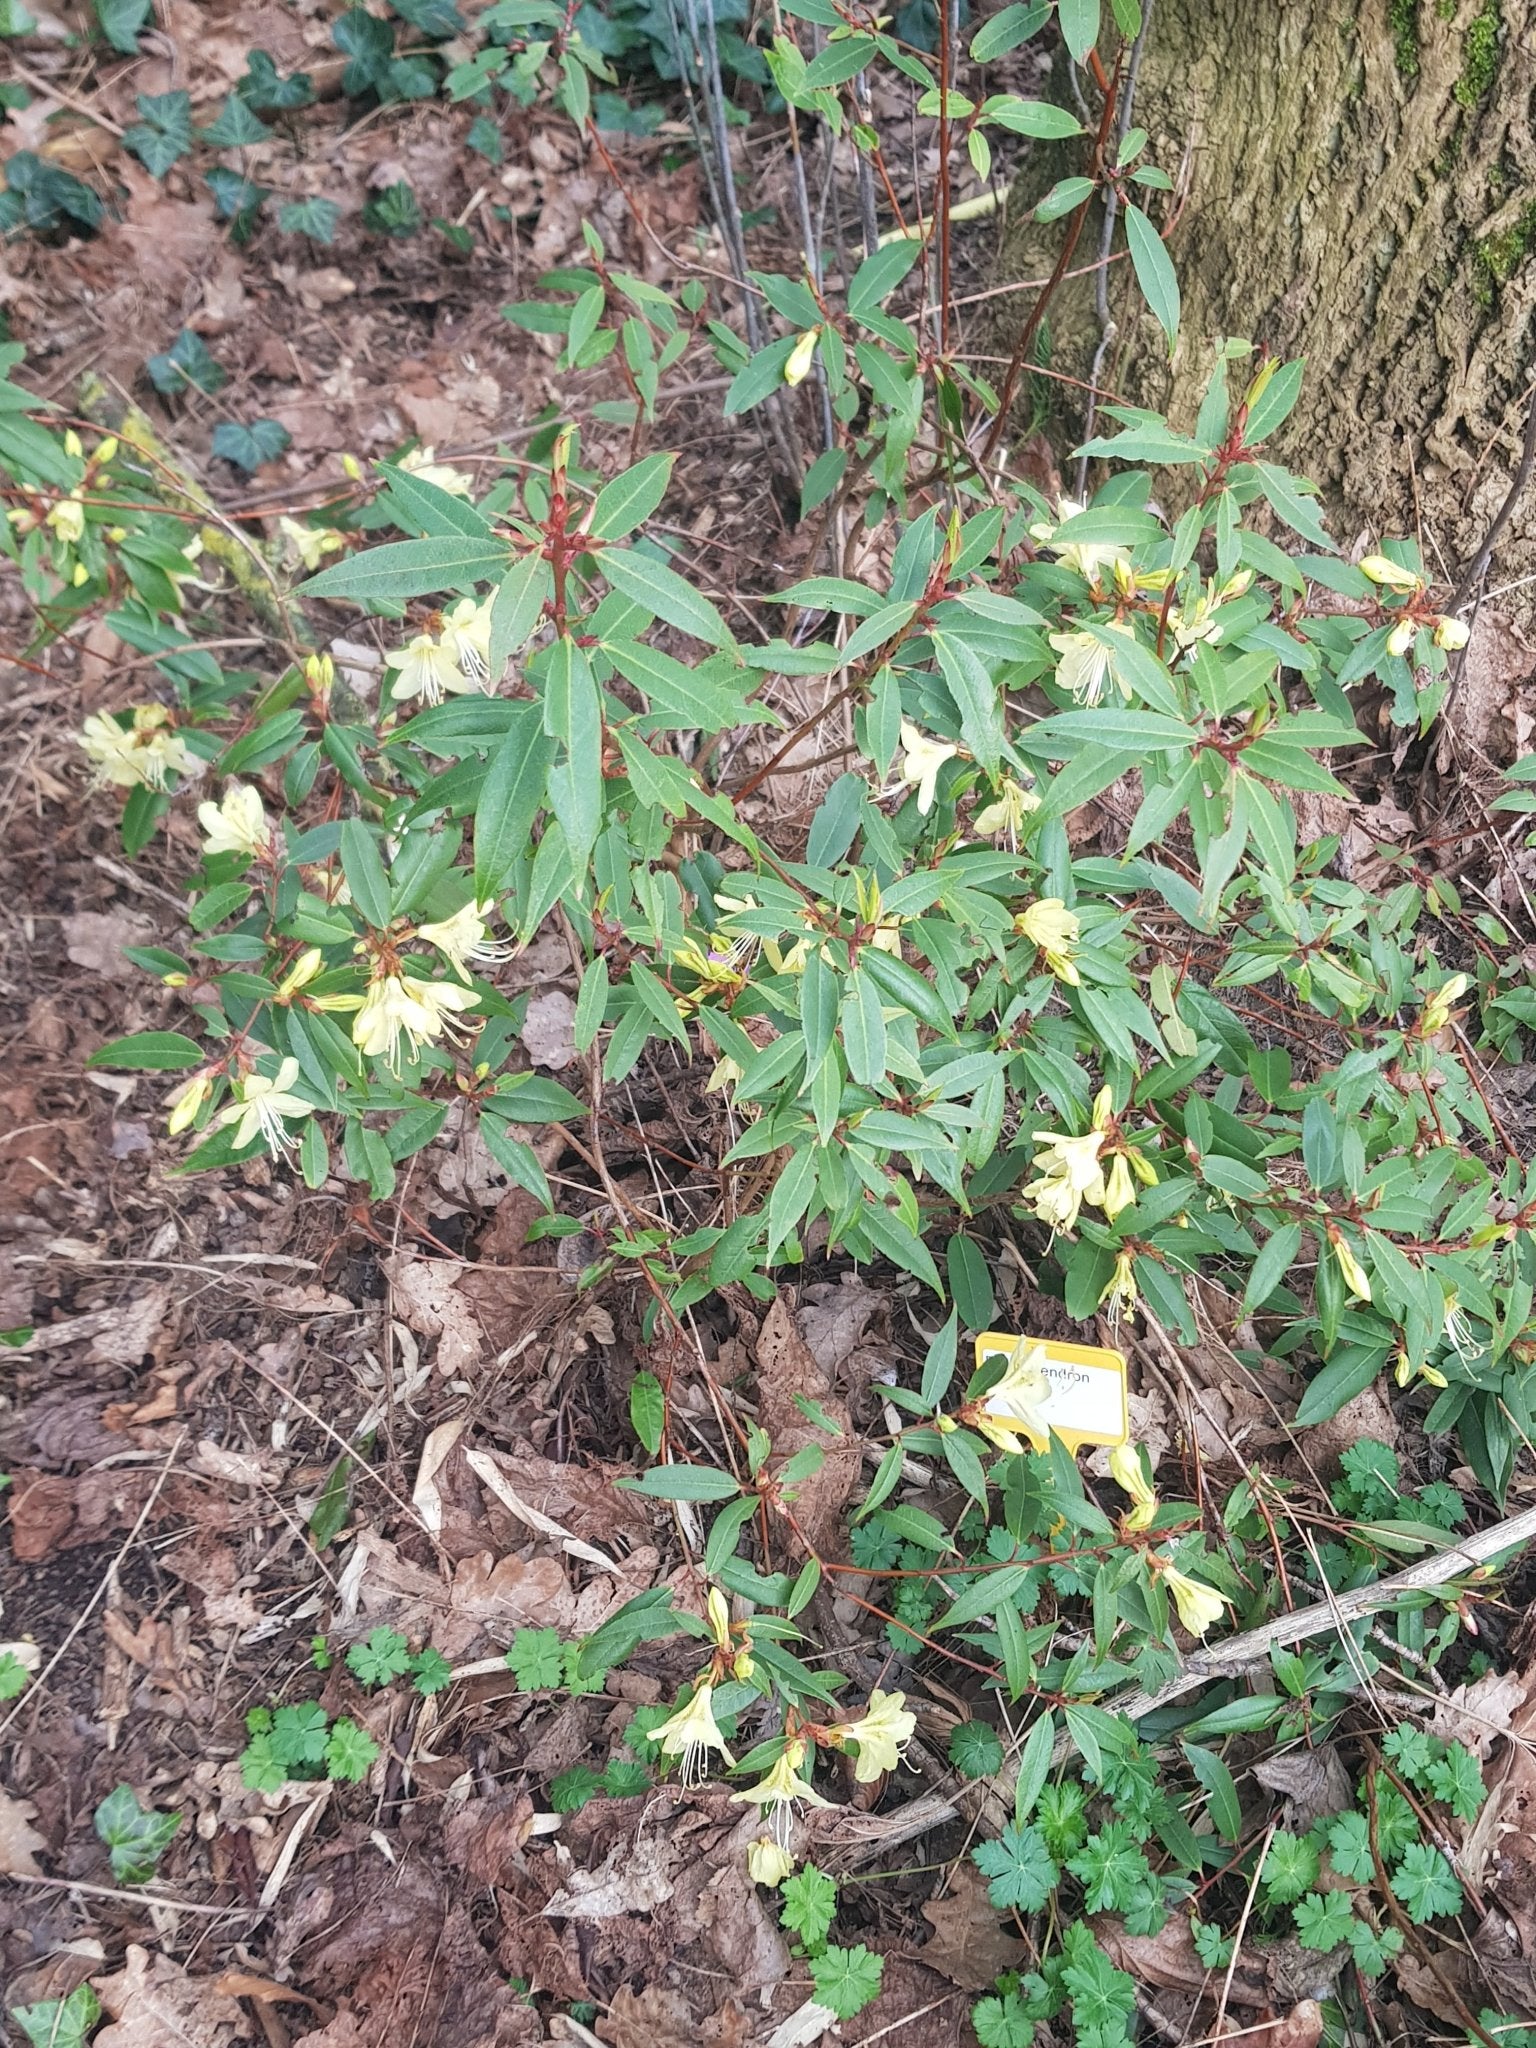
<point x="882" y="1732"/>
<point x="922" y="758"/>
<point x="1053" y="929"/>
<point x="692" y="1733"/>
<point x="140" y="755"/>
<point x="464" y="937"/>
<point x="1071" y="1173"/>
<point x="1088" y="558"/>
<point x="1119" y="1187"/>
<point x="467" y="638"/>
<point x="767" y="1863"/>
<point x="1198" y="1605"/>
<point x="1121" y="1294"/>
<point x="185" y="1101"/>
<point x="1007" y="810"/>
<point x="1010" y="1414"/>
<point x="423" y="463"/>
<point x="1452" y="634"/>
<point x="798" y="366"/>
<point x="426" y="669"/>
<point x="1390" y="574"/>
<point x="777" y="1793"/>
<point x="1083" y="668"/>
<point x="68" y="521"/>
<point x="1125" y="1470"/>
<point x="1437" y="1009"/>
<point x="238" y="824"/>
<point x="1402" y="637"/>
<point x="310" y="543"/>
<point x="718" y="1615"/>
<point x="1355" y="1276"/>
<point x="399" y="1005"/>
<point x="303" y="971"/>
<point x="261" y="1104"/>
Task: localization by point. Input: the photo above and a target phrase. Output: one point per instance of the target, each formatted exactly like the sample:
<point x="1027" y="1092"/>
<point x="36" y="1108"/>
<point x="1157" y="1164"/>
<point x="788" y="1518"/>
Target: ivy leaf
<point x="975" y="1749"/>
<point x="135" y="1839"/>
<point x="435" y="18"/>
<point x="845" y="1980"/>
<point x="369" y="45"/>
<point x="235" y="199"/>
<point x="1425" y="1884"/>
<point x="164" y="135"/>
<point x="121" y="22"/>
<point x="60" y="2022"/>
<point x="383" y="1656"/>
<point x="186" y="365"/>
<point x="1020" y="1869"/>
<point x="1323" y="1920"/>
<point x="316" y="218"/>
<point x="249" y="446"/>
<point x="537" y="1659"/>
<point x="808" y="1905"/>
<point x="266" y="91"/>
<point x="236" y="126"/>
<point x="350" y="1753"/>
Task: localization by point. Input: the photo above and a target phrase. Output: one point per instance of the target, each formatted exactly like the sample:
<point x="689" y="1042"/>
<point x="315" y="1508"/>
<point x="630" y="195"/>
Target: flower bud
<point x="1452" y="634"/>
<point x="1401" y="637"/>
<point x="801" y="356"/>
<point x="303" y="970"/>
<point x="1391" y="575"/>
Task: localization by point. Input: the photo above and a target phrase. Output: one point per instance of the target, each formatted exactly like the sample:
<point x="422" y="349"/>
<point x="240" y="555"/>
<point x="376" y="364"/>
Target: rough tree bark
<point x="1361" y="191"/>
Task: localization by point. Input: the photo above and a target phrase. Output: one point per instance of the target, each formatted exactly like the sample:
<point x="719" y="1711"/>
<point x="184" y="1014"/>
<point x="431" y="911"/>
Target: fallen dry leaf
<point x="1314" y="1782"/>
<point x="154" y="2003"/>
<point x="970" y="1945"/>
<point x="1170" y="1961"/>
<point x="426" y="1293"/>
<point x="94" y="939"/>
<point x="548" y="1027"/>
<point x="634" y="1877"/>
<point x="652" y="2018"/>
<point x="786" y="1367"/>
<point x="19" y="1841"/>
<point x="1476" y="1715"/>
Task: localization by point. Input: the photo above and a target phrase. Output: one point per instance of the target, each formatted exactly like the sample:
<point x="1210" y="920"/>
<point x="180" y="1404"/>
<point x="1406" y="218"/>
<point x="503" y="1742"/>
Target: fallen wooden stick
<point x="1241" y="1653"/>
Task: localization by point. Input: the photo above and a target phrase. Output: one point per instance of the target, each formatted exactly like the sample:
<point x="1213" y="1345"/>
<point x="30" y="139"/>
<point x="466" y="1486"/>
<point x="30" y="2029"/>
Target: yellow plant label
<point x="1086" y="1403"/>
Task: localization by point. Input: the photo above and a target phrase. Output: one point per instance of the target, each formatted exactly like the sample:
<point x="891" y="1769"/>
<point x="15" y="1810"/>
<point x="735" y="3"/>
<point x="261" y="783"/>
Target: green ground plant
<point x="1206" y="1065"/>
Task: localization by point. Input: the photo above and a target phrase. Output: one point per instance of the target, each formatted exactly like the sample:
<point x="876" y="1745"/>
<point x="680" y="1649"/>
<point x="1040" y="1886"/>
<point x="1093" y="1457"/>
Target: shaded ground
<point x="254" y="1418"/>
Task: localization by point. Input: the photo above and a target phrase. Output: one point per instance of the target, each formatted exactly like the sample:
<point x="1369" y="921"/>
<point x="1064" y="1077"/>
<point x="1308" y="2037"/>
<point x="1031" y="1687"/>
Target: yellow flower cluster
<point x="1071" y="1172"/>
<point x="431" y="666"/>
<point x="139" y="755"/>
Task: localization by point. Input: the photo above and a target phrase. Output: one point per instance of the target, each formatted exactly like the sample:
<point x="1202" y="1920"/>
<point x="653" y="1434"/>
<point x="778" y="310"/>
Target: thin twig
<point x="1478" y="568"/>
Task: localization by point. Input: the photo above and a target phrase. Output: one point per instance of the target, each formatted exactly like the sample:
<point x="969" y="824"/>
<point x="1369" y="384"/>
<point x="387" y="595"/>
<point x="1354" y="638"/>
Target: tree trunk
<point x="1361" y="190"/>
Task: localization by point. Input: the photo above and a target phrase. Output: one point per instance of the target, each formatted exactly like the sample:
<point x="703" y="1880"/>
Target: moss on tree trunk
<point x="1361" y="191"/>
